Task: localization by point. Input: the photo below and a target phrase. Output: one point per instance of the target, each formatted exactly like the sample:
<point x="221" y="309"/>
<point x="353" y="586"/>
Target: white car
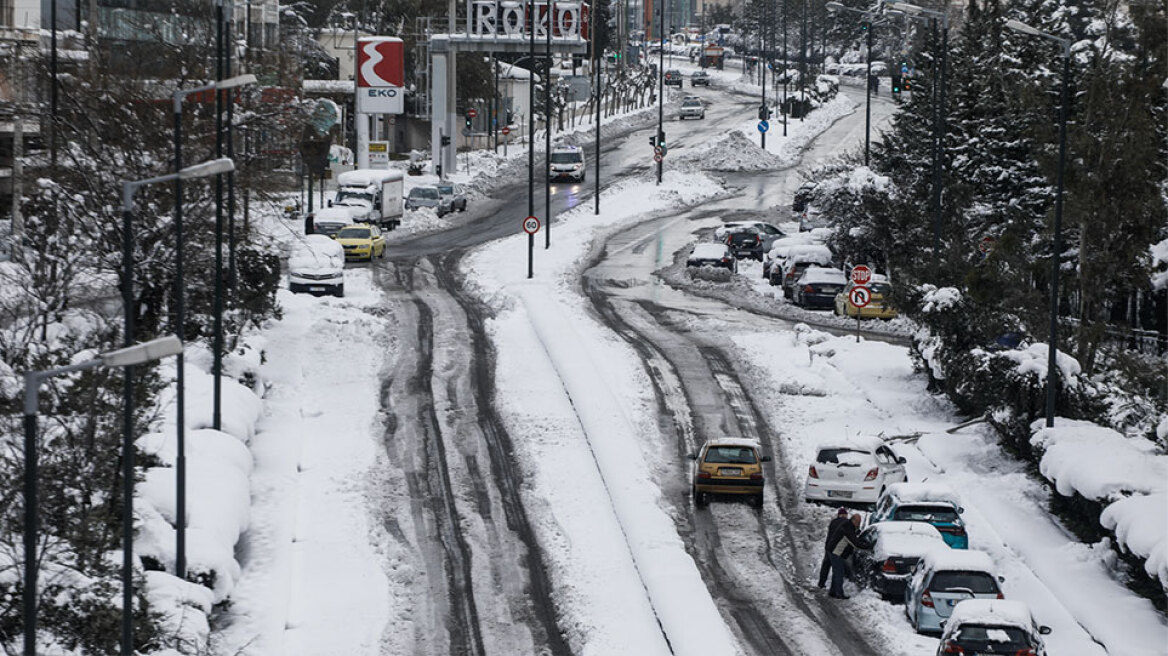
<point x="943" y="579"/>
<point x="567" y="163"/>
<point x="317" y="266"/>
<point x="853" y="470"/>
<point x="692" y="108"/>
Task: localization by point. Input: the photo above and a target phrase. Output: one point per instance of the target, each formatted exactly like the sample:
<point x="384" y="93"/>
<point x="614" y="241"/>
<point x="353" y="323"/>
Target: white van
<point x="567" y="163"/>
<point x="317" y="267"/>
<point x="371" y="196"/>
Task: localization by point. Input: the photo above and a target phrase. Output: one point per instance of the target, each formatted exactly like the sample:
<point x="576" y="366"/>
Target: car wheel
<point x="340" y="293"/>
<point x="701" y="499"/>
<point x="757" y="501"/>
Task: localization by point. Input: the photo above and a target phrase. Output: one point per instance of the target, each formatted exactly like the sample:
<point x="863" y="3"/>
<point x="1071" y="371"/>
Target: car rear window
<point x="842" y="456"/>
<point x="881" y="288"/>
<point x="567" y="158"/>
<point x="740" y="455"/>
<point x="1005" y="639"/>
<point x="424" y="192"/>
<point x="975" y="582"/>
<point x="925" y="514"/>
<point x="353" y="233"/>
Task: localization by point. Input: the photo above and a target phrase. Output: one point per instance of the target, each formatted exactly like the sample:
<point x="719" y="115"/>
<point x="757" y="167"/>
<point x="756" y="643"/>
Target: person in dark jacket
<point x="841" y="517"/>
<point x="840" y="544"/>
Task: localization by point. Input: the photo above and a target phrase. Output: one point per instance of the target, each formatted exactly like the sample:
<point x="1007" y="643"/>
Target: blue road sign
<point x="763" y="126"/>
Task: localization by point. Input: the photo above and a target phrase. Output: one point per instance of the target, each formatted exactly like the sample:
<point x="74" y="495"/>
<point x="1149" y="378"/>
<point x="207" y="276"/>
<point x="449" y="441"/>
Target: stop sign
<point x="472" y="112"/>
<point x="506" y="130"/>
<point x="861" y="275"/>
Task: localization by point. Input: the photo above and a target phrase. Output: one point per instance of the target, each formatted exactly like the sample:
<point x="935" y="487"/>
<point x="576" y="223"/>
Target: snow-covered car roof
<point x="733" y="441"/>
<point x="336" y="214"/>
<point x="959" y="560"/>
<point x="897" y="538"/>
<point x="823" y="274"/>
<point x="990" y="612"/>
<point x="866" y="443"/>
<point x="729" y="226"/>
<point x="924" y="493"/>
<point x="709" y="250"/>
<point x="316" y="252"/>
<point x="817" y="253"/>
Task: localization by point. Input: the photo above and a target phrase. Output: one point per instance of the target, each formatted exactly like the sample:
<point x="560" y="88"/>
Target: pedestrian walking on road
<point x="841" y="517"/>
<point x="841" y="544"/>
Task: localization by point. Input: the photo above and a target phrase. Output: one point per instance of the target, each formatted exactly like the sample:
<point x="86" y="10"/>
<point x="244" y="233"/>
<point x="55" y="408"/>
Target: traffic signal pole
<point x="661" y="85"/>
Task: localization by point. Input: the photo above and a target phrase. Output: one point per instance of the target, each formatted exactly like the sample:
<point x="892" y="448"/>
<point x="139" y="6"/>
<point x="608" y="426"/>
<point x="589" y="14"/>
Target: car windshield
<point x="931" y="514"/>
<point x="977" y="637"/>
<point x="343" y="196"/>
<point x="566" y="158"/>
<point x="975" y="582"/>
<point x="692" y="103"/>
<point x="424" y="192"/>
<point x="353" y="233"/>
<point x="840" y="456"/>
<point x="446" y="190"/>
<point x="740" y="455"/>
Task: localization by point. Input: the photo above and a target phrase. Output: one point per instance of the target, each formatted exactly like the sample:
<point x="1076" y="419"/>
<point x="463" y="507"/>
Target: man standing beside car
<point x="841" y="517"/>
<point x="841" y="544"/>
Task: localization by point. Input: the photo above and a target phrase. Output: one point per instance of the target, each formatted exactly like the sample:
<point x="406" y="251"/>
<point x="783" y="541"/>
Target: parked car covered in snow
<point x="992" y="626"/>
<point x="817" y="287"/>
<point x="317" y="266"/>
<point x="889" y="551"/>
<point x="944" y="578"/>
<point x="768" y="231"/>
<point x="714" y="255"/>
<point x="853" y="470"/>
<point x="795" y="263"/>
<point x="934" y="503"/>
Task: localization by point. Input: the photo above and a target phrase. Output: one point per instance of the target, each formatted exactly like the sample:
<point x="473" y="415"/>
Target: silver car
<point x="944" y="578"/>
<point x="454" y="194"/>
<point x="692" y="108"/>
<point x="428" y="197"/>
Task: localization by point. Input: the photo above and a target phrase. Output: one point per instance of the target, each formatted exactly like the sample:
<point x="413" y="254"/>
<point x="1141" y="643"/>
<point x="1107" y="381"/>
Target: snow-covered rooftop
<point x="924" y="493"/>
<point x="898" y="538"/>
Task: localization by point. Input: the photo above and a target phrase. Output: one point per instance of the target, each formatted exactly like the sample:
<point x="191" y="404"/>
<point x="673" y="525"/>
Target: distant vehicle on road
<point x="567" y="163"/>
<point x="317" y="267"/>
<point x="692" y="108"/>
<point x="745" y="242"/>
<point x="853" y="470"/>
<point x="361" y="241"/>
<point x="371" y="195"/>
<point x="699" y="79"/>
<point x="453" y="193"/>
<point x="768" y="231"/>
<point x="817" y="287"/>
<point x="992" y="626"/>
<point x="729" y="466"/>
<point x="944" y="579"/>
<point x="712" y="255"/>
<point x="673" y="77"/>
<point x="427" y="197"/>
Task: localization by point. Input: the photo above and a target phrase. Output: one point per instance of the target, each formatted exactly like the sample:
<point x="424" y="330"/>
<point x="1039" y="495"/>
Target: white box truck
<point x="371" y="196"/>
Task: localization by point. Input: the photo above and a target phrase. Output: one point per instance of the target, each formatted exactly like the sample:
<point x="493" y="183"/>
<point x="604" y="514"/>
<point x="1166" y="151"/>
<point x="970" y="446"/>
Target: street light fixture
<point x="1056" y="251"/>
<point x="138" y="354"/>
<point x="204" y="170"/>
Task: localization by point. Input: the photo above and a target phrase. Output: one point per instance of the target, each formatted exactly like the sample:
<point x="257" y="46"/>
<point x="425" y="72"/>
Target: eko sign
<point x="507" y="18"/>
<point x="381" y="74"/>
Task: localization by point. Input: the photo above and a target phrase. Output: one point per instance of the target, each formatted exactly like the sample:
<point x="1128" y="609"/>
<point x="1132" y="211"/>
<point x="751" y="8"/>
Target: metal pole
<point x="547" y="131"/>
<point x="229" y="29"/>
<point x="217" y="340"/>
<point x="127" y="437"/>
<point x="868" y="107"/>
<point x="660" y="84"/>
<point x="786" y="66"/>
<point x="1052" y="378"/>
<point x="180" y="558"/>
<point x="599" y="90"/>
<point x="531" y="122"/>
<point x="53" y="86"/>
<point x="31" y="518"/>
<point x="803" y="67"/>
<point x="495" y="100"/>
<point x="762" y="80"/>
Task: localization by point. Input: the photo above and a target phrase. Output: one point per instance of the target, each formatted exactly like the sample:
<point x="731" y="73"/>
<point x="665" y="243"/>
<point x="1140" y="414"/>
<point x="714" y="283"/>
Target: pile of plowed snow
<point x="734" y="152"/>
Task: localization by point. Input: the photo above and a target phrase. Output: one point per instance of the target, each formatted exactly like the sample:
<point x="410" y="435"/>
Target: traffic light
<point x="660" y="139"/>
<point x="864" y="26"/>
<point x="445" y="140"/>
<point x="906" y="84"/>
<point x="468" y="121"/>
<point x="896" y="84"/>
<point x="764" y="112"/>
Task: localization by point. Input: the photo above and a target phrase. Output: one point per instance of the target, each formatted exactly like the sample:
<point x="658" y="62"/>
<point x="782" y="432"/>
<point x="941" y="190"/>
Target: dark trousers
<point x="824" y="569"/>
<point x="837" y="575"/>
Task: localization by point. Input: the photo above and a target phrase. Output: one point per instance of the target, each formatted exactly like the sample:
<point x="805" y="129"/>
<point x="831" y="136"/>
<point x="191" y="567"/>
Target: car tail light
<point x="888" y="566"/>
<point x="872" y="474"/>
<point x="812" y="473"/>
<point x="703" y="474"/>
<point x="927" y="599"/>
<point x="808" y="289"/>
<point x="1001" y="596"/>
<point x="951" y="648"/>
<point x="756" y="476"/>
<point x="725" y="259"/>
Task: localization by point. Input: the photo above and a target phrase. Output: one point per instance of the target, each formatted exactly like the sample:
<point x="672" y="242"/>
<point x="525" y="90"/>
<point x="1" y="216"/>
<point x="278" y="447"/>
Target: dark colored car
<point x="802" y="195"/>
<point x="745" y="242"/>
<point x="711" y="254"/>
<point x="699" y="78"/>
<point x="817" y="287"/>
<point x="889" y="551"/>
<point x="673" y="77"/>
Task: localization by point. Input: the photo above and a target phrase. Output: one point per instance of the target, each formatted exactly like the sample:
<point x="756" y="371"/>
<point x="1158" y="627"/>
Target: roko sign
<point x="507" y="18"/>
<point x="381" y="74"/>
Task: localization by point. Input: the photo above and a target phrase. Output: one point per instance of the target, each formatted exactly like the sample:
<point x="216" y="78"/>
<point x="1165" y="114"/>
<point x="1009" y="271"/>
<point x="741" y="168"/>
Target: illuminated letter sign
<point x="495" y="18"/>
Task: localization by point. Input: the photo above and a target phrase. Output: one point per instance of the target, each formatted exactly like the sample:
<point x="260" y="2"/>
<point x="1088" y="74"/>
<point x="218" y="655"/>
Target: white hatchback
<point x="854" y="470"/>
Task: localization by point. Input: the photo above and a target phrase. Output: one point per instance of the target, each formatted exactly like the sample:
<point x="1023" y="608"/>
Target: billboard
<point x="381" y="75"/>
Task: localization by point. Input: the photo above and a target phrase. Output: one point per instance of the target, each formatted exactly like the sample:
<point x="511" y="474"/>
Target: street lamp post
<point x="1052" y="378"/>
<point x="206" y="169"/>
<point x="126" y="357"/>
<point x="867" y="23"/>
<point x="660" y="84"/>
<point x="180" y="312"/>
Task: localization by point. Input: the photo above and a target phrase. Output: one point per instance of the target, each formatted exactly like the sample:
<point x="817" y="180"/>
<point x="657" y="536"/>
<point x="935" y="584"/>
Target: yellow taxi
<point x="361" y="241"/>
<point x="728" y="466"/>
<point x="877" y="308"/>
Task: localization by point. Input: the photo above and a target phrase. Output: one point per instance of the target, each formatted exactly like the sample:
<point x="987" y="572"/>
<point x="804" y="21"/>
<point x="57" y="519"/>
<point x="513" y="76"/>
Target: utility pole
<point x="660" y="84"/>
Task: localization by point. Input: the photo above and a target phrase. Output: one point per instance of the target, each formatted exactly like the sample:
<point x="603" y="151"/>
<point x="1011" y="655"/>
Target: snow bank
<point x="1128" y="475"/>
<point x="1034" y="359"/>
<point x="1159" y="253"/>
<point x="733" y="152"/>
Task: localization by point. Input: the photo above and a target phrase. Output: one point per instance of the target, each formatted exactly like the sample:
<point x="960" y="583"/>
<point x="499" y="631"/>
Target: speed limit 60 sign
<point x="531" y="225"/>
